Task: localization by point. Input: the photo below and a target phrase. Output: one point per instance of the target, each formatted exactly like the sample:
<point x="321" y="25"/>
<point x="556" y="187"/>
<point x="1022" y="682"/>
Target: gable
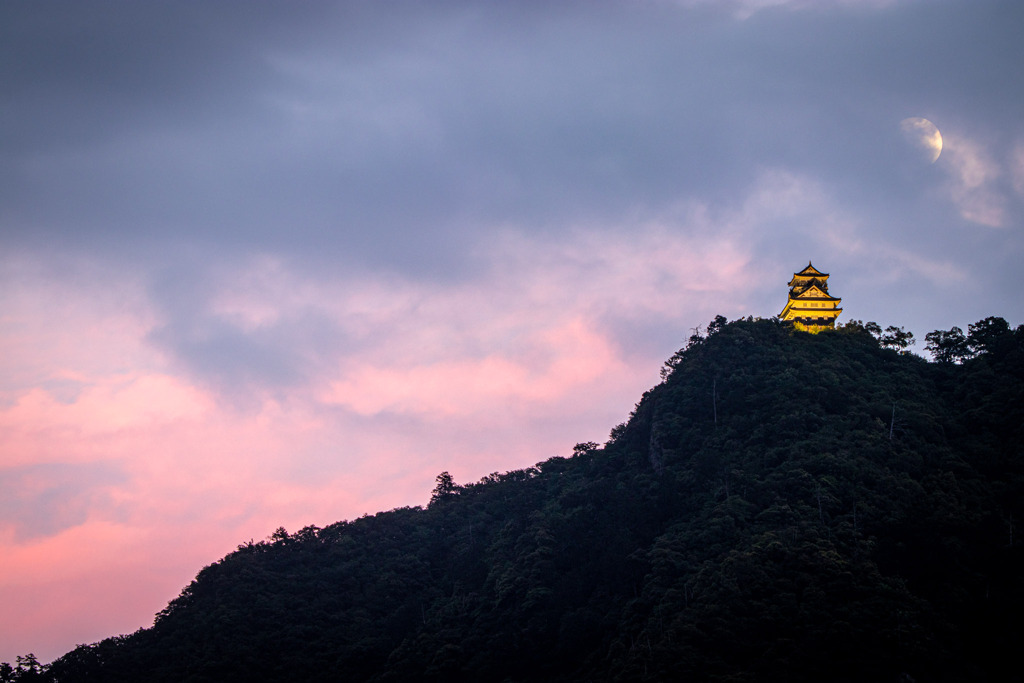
<point x="813" y="292"/>
<point x="810" y="271"/>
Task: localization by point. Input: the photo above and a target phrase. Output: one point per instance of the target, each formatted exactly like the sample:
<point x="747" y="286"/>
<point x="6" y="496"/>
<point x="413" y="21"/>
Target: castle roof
<point x="812" y="291"/>
<point x="808" y="275"/>
<point x="810" y="271"/>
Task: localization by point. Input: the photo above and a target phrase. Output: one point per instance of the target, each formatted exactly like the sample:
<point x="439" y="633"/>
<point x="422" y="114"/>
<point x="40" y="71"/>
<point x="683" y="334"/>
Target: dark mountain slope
<point x="784" y="506"/>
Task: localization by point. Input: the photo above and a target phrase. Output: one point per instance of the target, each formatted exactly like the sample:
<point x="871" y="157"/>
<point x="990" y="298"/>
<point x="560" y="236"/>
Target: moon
<point x="924" y="135"/>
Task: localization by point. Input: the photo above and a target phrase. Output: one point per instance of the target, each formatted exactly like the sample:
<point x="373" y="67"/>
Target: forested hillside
<point x="783" y="506"/>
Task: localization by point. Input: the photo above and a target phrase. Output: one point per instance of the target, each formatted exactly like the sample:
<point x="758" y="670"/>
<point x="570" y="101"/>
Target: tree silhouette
<point x="948" y="346"/>
<point x="445" y="489"/>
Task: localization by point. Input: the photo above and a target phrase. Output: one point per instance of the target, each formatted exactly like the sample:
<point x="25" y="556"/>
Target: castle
<point x="810" y="306"/>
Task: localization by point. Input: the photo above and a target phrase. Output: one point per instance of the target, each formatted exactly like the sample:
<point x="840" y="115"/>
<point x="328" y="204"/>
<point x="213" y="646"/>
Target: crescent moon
<point x="924" y="135"/>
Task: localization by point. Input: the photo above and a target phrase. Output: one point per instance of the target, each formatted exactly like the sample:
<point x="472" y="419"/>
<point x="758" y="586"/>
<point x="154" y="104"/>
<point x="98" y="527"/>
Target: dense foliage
<point x="783" y="506"/>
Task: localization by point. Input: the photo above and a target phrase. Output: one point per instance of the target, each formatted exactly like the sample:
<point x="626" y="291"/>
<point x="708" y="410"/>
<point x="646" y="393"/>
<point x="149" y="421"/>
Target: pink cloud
<point x="472" y="377"/>
<point x="465" y="387"/>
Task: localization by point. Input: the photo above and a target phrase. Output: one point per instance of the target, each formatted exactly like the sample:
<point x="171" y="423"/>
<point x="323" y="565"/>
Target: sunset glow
<point x="283" y="267"/>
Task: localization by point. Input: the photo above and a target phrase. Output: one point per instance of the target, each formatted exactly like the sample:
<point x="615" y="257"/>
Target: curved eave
<point x="792" y="312"/>
<point x="815" y="314"/>
<point x="805" y="281"/>
<point x="809" y="268"/>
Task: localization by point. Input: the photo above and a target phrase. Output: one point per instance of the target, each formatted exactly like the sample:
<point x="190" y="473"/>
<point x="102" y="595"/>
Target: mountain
<point x="783" y="506"/>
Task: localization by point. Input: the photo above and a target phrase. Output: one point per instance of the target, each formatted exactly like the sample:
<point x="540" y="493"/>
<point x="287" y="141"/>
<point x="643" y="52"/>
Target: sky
<point x="273" y="264"/>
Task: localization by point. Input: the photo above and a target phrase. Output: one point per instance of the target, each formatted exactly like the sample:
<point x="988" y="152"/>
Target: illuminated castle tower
<point x="810" y="306"/>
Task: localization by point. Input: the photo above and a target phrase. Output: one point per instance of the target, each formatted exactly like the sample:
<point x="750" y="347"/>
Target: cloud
<point x="744" y="9"/>
<point x="388" y="140"/>
<point x="175" y="434"/>
<point x="1016" y="164"/>
<point x="482" y="386"/>
<point x="47" y="293"/>
<point x="43" y="499"/>
<point x="284" y="265"/>
<point x="262" y="329"/>
<point x="973" y="175"/>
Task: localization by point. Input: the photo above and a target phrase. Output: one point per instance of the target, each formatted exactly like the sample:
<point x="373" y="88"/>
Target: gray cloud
<point x="320" y="251"/>
<point x="364" y="136"/>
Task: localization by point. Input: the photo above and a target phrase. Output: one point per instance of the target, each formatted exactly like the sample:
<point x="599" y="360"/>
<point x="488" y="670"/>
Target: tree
<point x="948" y="346"/>
<point x="859" y="326"/>
<point x="896" y="338"/>
<point x="446" y="488"/>
<point x="28" y="669"/>
<point x="616" y="433"/>
<point x="584" y="448"/>
<point x="986" y="335"/>
<point x="717" y="324"/>
<point x="678" y="357"/>
<point x="800" y="540"/>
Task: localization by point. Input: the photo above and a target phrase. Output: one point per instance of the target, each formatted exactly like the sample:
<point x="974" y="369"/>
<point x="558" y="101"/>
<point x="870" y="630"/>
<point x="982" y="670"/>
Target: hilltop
<point x="783" y="506"/>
